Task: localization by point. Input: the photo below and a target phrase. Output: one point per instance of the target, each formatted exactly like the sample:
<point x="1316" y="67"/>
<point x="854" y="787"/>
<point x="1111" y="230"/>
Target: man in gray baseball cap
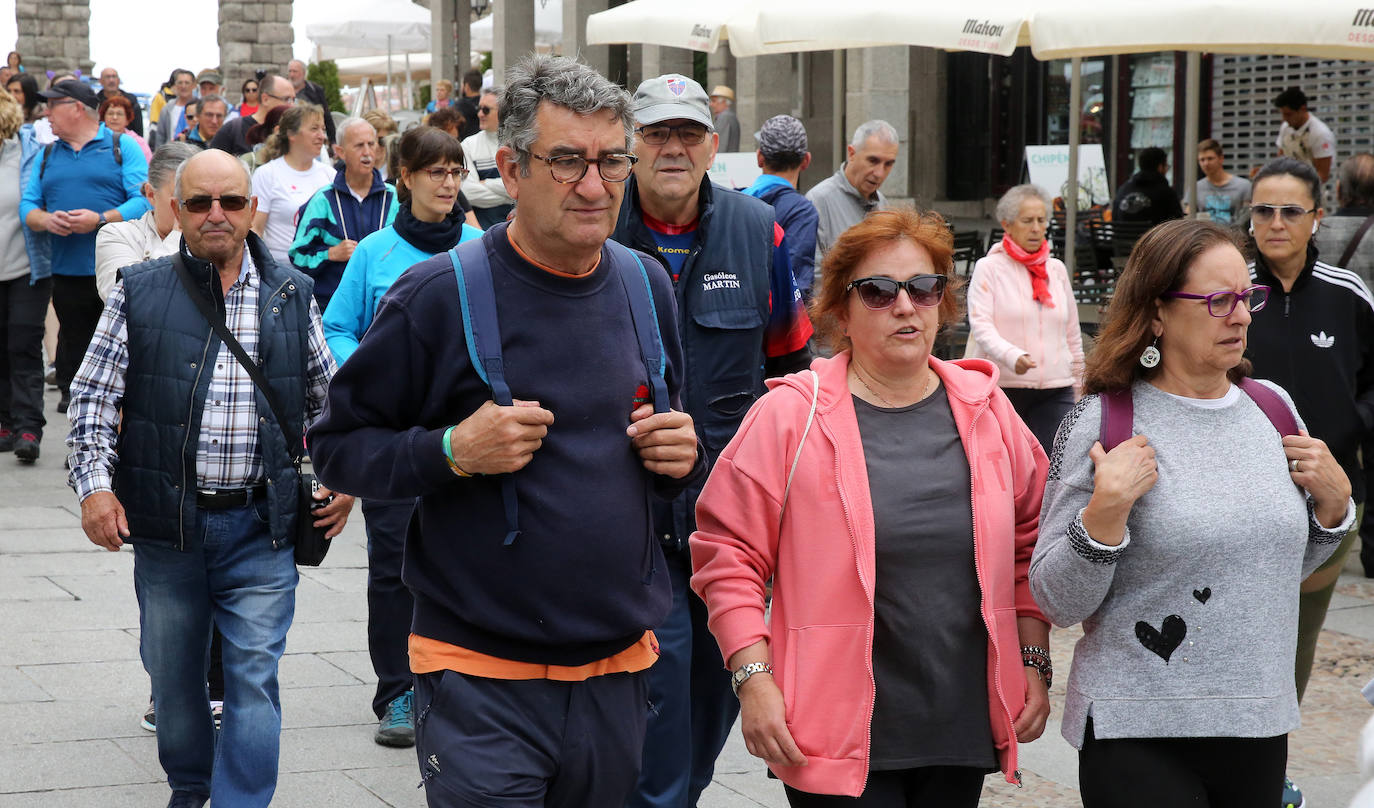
<point x="783" y="156"/>
<point x="740" y="321"/>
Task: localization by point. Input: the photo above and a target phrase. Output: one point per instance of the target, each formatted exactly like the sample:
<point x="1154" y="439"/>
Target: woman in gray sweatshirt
<point x="1181" y="549"/>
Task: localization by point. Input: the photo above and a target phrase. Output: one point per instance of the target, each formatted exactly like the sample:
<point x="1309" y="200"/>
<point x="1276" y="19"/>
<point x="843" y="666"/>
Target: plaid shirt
<point x="227" y="454"/>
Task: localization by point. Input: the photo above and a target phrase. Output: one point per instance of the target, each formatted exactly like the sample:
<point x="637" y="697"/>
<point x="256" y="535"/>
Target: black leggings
<point x="945" y="786"/>
<point x="1202" y="772"/>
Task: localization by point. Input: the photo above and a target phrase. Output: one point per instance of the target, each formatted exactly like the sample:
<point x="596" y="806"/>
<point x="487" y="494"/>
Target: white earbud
<point x="1314" y="228"/>
<point x="1252" y="228"/>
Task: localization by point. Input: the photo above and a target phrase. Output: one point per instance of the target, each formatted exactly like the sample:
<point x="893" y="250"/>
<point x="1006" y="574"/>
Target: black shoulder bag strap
<point x="1355" y="242"/>
<point x="294" y="443"/>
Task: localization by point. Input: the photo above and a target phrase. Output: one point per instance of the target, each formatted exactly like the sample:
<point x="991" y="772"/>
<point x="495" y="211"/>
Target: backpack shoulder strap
<point x="118" y="152"/>
<point x="644" y="315"/>
<point x="1118" y="415"/>
<point x="47" y="157"/>
<point x="1272" y="405"/>
<point x="481" y="331"/>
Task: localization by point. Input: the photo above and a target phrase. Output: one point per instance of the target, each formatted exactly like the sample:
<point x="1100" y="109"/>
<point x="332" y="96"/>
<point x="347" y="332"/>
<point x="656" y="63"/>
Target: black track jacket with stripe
<point x="1317" y="342"/>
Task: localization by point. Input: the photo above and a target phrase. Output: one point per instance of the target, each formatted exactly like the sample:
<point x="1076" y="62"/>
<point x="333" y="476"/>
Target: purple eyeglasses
<point x="1221" y="304"/>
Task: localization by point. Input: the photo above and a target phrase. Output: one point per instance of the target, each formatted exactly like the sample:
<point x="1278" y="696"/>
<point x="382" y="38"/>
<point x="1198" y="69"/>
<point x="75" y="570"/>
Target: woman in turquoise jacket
<point x="428" y="222"/>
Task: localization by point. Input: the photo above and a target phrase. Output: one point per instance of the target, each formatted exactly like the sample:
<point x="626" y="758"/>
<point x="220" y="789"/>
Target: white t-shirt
<point x="281" y="190"/>
<point x="1309" y="142"/>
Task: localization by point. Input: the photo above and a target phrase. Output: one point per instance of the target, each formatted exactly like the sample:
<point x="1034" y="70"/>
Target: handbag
<point x="311" y="544"/>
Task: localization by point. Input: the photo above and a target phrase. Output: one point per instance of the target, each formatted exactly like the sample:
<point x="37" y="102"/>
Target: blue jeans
<point x="228" y="573"/>
<point x="692" y="707"/>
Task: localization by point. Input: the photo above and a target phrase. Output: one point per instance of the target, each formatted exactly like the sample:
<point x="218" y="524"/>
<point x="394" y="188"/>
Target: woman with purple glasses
<point x="1181" y="542"/>
<point x="893" y="500"/>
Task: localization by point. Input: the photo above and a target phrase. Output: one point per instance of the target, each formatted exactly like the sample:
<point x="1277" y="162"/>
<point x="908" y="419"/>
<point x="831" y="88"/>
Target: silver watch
<point x="742" y="675"/>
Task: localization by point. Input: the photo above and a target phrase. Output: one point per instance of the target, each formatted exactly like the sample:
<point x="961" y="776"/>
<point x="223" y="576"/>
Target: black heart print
<point x="1202" y="594"/>
<point x="1162" y="641"/>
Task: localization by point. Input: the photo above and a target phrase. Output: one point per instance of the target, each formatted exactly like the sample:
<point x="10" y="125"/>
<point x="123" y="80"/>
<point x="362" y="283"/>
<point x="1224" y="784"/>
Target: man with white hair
<point x="850" y="194"/>
<point x="187" y="462"/>
<point x="337" y="217"/>
<point x="79" y="183"/>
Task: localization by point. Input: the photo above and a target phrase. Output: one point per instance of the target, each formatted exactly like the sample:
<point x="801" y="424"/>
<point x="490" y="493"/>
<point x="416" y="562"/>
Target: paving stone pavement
<point x="72" y="687"/>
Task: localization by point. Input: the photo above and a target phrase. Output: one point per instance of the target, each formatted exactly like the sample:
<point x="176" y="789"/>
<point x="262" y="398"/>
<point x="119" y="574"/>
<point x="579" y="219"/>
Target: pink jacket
<point x="821" y="557"/>
<point x="1005" y="322"/>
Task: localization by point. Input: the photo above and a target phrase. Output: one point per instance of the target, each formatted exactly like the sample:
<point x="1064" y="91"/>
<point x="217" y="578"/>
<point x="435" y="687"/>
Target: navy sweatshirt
<point x="585" y="578"/>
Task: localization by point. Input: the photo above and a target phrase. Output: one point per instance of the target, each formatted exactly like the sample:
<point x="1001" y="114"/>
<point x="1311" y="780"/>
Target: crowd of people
<point x="641" y="456"/>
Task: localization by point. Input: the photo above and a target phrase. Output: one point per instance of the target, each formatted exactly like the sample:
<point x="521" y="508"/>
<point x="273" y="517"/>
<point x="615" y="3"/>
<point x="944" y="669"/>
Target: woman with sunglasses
<point x="1316" y="340"/>
<point x="428" y="222"/>
<point x="893" y="500"/>
<point x="289" y="176"/>
<point x="1022" y="315"/>
<point x="1180" y="549"/>
<point x="249" y="94"/>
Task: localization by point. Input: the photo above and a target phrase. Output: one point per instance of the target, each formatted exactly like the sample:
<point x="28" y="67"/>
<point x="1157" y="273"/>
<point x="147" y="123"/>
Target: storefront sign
<point x="1049" y="168"/>
<point x="736" y="170"/>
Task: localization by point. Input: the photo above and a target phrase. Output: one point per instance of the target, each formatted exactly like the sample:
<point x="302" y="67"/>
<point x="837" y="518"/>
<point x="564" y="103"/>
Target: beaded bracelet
<point x="448" y="454"/>
<point x="1033" y="656"/>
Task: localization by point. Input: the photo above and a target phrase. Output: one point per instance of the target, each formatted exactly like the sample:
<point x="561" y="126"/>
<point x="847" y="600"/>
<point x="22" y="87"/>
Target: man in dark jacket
<point x="531" y="556"/>
<point x="109" y="88"/>
<point x="783" y="156"/>
<point x="308" y="92"/>
<point x="209" y="502"/>
<point x="740" y="319"/>
<point x="469" y="94"/>
<point x="1147" y="195"/>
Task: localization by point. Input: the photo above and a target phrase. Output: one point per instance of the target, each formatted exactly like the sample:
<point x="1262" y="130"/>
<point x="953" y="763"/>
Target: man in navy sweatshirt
<point x="529" y="648"/>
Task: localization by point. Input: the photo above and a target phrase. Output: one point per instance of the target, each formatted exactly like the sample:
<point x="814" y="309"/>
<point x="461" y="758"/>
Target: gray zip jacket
<point x="1190" y="624"/>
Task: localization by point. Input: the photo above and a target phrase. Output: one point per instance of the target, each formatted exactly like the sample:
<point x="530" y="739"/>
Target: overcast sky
<point x="144" y="47"/>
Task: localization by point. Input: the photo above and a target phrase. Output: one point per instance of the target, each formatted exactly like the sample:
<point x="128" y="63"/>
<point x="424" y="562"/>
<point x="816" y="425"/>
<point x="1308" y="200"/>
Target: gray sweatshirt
<point x="1190" y="624"/>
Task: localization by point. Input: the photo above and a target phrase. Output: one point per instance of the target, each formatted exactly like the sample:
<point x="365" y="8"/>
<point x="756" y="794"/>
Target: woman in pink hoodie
<point x="893" y="500"/>
<point x="1022" y="315"/>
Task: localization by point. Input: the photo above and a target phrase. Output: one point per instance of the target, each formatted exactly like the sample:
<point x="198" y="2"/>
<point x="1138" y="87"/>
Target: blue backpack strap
<point x="477" y="300"/>
<point x="644" y="314"/>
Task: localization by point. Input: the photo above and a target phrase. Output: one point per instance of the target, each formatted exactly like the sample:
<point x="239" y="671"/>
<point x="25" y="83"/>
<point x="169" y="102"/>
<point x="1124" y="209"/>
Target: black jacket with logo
<point x="1317" y="342"/>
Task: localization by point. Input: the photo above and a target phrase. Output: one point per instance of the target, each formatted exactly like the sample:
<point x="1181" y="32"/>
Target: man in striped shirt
<point x="175" y="451"/>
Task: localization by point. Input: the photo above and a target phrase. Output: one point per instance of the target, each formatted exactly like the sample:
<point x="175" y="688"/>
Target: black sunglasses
<point x="880" y="293"/>
<point x="202" y="204"/>
<point x="1290" y="213"/>
<point x="485" y="110"/>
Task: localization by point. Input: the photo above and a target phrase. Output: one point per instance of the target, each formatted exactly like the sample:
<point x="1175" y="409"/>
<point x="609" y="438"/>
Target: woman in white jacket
<point x="152" y="235"/>
<point x="1023" y="316"/>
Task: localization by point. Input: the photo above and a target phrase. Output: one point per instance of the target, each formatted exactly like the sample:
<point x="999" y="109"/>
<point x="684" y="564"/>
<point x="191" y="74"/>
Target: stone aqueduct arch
<point x="55" y="35"/>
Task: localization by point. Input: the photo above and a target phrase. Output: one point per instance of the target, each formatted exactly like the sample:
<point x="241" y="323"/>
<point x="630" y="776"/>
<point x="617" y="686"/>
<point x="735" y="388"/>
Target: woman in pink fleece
<point x="893" y="500"/>
<point x="1022" y="315"/>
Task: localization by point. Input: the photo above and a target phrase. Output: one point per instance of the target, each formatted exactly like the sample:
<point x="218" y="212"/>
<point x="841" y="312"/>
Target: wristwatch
<point x="103" y="221"/>
<point x="742" y="675"/>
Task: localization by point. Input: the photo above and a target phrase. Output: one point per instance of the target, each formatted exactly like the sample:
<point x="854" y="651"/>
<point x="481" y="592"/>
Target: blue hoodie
<point x="331" y="215"/>
<point x="798" y="219"/>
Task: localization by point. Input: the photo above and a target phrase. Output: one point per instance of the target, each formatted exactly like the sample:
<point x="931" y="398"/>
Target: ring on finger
<point x="1293" y="465"/>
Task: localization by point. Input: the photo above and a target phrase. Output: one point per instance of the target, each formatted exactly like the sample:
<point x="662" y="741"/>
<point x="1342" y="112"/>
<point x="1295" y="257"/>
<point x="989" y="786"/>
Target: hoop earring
<point x="1150" y="356"/>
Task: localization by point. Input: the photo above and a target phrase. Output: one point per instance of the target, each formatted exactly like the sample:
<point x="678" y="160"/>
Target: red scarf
<point x="1035" y="265"/>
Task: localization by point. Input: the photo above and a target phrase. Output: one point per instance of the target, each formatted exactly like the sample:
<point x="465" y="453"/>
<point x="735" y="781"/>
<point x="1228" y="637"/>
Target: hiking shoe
<point x="187" y="799"/>
<point x="26" y="448"/>
<point x="6" y="440"/>
<point x="217" y="712"/>
<point x="149" y="721"/>
<point x="397" y="727"/>
<point x="1292" y="795"/>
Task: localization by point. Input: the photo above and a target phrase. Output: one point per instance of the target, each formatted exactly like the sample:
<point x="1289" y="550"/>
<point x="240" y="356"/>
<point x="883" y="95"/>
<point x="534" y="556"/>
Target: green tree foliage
<point x="326" y="74"/>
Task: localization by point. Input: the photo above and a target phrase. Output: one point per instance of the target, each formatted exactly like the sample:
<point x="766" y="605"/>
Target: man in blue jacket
<point x="783" y="156"/>
<point x="338" y="216"/>
<point x="740" y="320"/>
<point x="78" y="184"/>
<point x="529" y="646"/>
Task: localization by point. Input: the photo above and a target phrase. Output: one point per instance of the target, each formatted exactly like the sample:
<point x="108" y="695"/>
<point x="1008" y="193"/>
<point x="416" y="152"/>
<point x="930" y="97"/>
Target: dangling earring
<point x="1150" y="356"/>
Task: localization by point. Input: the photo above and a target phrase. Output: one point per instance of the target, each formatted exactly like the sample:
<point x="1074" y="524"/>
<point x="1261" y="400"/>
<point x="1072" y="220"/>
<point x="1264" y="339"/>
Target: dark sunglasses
<point x="880" y="293"/>
<point x="485" y="110"/>
<point x="202" y="204"/>
<point x="1290" y="213"/>
<point x="1221" y="304"/>
<point x="252" y="89"/>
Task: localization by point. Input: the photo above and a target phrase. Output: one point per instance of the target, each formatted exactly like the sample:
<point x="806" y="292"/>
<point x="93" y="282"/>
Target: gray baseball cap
<point x="671" y="96"/>
<point x="781" y="134"/>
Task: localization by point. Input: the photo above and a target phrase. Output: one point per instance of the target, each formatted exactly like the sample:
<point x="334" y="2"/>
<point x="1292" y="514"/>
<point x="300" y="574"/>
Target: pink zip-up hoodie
<point x="821" y="557"/>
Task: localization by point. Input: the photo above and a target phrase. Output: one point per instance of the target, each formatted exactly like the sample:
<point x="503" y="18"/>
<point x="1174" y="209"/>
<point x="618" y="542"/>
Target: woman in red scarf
<point x="1023" y="316"/>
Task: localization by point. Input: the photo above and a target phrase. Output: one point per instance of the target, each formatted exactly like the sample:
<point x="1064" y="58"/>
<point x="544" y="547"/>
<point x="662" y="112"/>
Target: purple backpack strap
<point x="1272" y="405"/>
<point x="1118" y="414"/>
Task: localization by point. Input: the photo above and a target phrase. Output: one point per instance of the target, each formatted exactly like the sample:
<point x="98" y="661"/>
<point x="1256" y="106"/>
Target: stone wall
<point x="253" y="35"/>
<point x="54" y="35"/>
